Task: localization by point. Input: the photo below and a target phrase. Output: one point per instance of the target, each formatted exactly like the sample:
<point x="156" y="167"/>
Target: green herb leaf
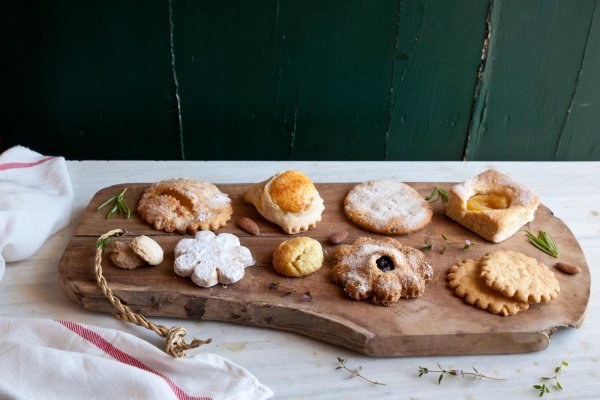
<point x="437" y="194"/>
<point x="440" y="379"/>
<point x="543" y="242"/>
<point x="120" y="205"/>
<point x="558" y="385"/>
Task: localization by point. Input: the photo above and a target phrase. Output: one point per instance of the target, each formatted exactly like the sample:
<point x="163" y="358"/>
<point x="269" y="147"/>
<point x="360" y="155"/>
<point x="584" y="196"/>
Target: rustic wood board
<point x="438" y="323"/>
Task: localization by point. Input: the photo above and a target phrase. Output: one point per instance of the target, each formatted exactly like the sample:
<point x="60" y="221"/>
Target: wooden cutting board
<point x="438" y="323"/>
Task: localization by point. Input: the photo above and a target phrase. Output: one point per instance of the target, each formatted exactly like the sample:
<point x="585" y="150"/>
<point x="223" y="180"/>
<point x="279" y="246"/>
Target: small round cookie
<point x="298" y="257"/>
<point x="464" y="278"/>
<point x="518" y="276"/>
<point x="380" y="270"/>
<point x="387" y="207"/>
<point x="185" y="205"/>
<point x="147" y="249"/>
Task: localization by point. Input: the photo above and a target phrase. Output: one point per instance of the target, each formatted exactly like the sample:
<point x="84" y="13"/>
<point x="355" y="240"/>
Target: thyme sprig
<point x="437" y="194"/>
<point x="543" y="241"/>
<point x="456" y="372"/>
<point x="356" y="372"/>
<point x="543" y="388"/>
<point x="120" y="206"/>
<point x="427" y="245"/>
<point x="306" y="296"/>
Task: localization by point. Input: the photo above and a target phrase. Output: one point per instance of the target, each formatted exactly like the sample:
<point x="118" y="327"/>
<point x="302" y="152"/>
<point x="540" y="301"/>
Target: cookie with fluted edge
<point x="464" y="279"/>
<point x="516" y="275"/>
<point x="185" y="205"/>
<point x="387" y="207"/>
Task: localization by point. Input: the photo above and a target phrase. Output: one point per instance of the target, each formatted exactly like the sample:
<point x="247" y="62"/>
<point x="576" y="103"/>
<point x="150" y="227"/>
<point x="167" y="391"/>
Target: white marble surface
<point x="296" y="367"/>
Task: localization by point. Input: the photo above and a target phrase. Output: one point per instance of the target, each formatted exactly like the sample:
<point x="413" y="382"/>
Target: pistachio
<point x="248" y="225"/>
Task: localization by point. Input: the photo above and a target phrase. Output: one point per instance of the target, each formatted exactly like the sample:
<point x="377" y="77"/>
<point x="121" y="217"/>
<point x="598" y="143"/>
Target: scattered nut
<point x="248" y="225"/>
<point x="147" y="249"/>
<point x="124" y="257"/>
<point x="338" y="237"/>
<point x="567" y="268"/>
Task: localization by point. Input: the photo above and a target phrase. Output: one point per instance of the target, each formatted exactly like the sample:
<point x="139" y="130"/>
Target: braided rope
<point x="175" y="344"/>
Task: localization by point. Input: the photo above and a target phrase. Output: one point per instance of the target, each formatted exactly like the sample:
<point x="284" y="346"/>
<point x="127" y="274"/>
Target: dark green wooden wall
<point x="302" y="79"/>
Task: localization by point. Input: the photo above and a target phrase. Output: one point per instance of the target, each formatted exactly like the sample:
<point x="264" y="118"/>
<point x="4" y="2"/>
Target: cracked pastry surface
<point x="288" y="199"/>
<point x="210" y="259"/>
<point x="380" y="270"/>
<point x="185" y="205"/>
<point x="387" y="207"/>
<point x="492" y="205"/>
<point x="298" y="257"/>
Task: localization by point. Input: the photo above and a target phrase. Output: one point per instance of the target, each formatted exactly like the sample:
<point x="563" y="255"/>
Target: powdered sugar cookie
<point x="467" y="284"/>
<point x="518" y="276"/>
<point x="382" y="270"/>
<point x="387" y="207"/>
<point x="185" y="205"/>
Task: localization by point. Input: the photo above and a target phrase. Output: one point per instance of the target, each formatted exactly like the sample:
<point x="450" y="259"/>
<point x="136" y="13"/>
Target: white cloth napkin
<point x="47" y="359"/>
<point x="36" y="198"/>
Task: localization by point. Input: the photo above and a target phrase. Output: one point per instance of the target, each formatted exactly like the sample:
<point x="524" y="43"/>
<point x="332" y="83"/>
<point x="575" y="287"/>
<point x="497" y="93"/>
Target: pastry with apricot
<point x="288" y="199"/>
<point x="492" y="205"/>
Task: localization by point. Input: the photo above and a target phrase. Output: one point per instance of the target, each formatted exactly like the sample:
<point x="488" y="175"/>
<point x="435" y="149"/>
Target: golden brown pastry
<point x="288" y="199"/>
<point x="492" y="205"/>
<point x="298" y="257"/>
<point x="185" y="205"/>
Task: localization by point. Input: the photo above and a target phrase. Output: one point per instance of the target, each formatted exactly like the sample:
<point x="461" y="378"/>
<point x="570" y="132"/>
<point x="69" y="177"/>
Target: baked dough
<point x="492" y="205"/>
<point x="288" y="199"/>
<point x="380" y="270"/>
<point x="387" y="207"/>
<point x="185" y="205"/>
<point x="298" y="257"/>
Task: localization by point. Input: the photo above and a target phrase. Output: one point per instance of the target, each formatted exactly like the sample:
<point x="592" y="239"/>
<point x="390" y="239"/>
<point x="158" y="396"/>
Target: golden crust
<point x="298" y="193"/>
<point x="387" y="207"/>
<point x="298" y="257"/>
<point x="493" y="225"/>
<point x="464" y="279"/>
<point x="185" y="205"/>
<point x="518" y="276"/>
<point x="356" y="268"/>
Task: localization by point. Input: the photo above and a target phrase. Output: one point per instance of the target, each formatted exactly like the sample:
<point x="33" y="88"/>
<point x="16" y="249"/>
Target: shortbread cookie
<point x="467" y="284"/>
<point x="518" y="276"/>
<point x="492" y="205"/>
<point x="147" y="249"/>
<point x="388" y="207"/>
<point x="288" y="199"/>
<point x="209" y="259"/>
<point x="382" y="270"/>
<point x="185" y="205"/>
<point x="298" y="257"/>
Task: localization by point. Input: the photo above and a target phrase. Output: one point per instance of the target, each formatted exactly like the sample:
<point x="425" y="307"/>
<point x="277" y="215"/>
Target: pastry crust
<point x="464" y="279"/>
<point x="387" y="207"/>
<point x="288" y="199"/>
<point x="494" y="225"/>
<point x="185" y="205"/>
<point x="356" y="268"/>
<point x="298" y="257"/>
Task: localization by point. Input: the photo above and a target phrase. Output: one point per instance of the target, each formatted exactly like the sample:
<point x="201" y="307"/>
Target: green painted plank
<point x="438" y="53"/>
<point x="227" y="79"/>
<point x="580" y="138"/>
<point x="105" y="80"/>
<point x="336" y="62"/>
<point x="534" y="58"/>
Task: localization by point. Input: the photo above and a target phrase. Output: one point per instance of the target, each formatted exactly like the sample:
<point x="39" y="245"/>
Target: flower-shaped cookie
<point x="210" y="259"/>
<point x="382" y="270"/>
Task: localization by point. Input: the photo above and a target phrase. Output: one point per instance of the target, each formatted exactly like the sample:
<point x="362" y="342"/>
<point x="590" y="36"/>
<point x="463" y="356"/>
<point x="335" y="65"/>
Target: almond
<point x="248" y="225"/>
<point x="567" y="268"/>
<point x="338" y="237"/>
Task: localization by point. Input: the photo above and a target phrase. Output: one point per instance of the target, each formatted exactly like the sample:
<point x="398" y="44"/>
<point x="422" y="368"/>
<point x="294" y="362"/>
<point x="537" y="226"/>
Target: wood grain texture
<point x="536" y="52"/>
<point x="436" y="323"/>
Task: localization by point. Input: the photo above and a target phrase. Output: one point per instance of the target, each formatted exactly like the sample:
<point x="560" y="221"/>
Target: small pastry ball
<point x="298" y="257"/>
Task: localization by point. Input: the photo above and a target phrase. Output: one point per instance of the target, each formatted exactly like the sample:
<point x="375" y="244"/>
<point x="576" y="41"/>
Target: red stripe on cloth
<point x="24" y="165"/>
<point x="125" y="358"/>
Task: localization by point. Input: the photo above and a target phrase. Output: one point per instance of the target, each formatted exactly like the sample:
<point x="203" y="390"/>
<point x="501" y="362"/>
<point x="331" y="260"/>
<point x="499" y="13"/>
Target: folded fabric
<point x="36" y="199"/>
<point x="47" y="359"/>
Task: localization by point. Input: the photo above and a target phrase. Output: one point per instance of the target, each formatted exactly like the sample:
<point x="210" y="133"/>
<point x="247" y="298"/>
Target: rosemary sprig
<point x="120" y="206"/>
<point x="543" y="388"/>
<point x="455" y="372"/>
<point x="355" y="372"/>
<point x="543" y="242"/>
<point x="102" y="243"/>
<point x="306" y="296"/>
<point x="438" y="193"/>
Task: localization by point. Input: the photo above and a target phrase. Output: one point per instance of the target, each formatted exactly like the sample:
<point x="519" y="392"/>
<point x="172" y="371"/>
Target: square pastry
<point x="492" y="205"/>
